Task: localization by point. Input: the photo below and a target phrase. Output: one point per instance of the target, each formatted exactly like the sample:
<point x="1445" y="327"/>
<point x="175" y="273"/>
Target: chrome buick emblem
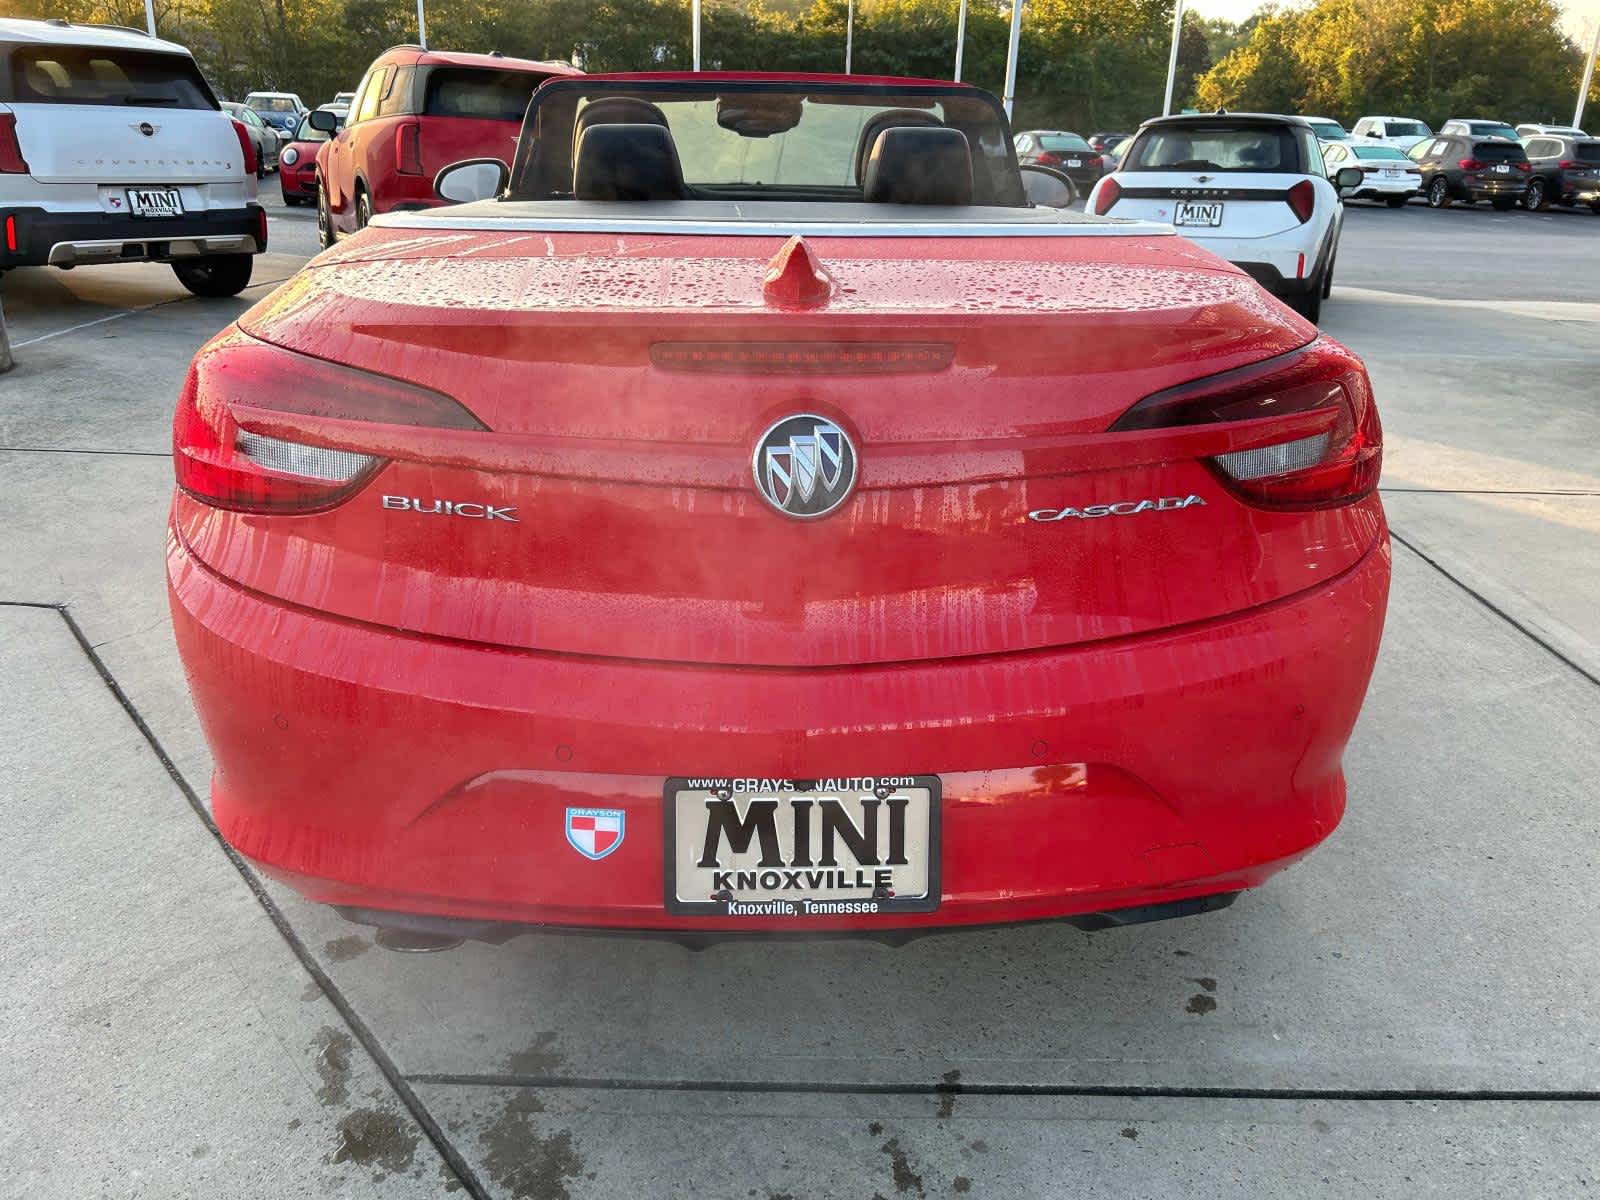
<point x="805" y="466"/>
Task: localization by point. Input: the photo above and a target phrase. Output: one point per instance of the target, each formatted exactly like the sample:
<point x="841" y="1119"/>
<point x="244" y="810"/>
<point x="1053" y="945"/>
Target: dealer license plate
<point x="1190" y="212"/>
<point x="1502" y="169"/>
<point x="155" y="202"/>
<point x="802" y="848"/>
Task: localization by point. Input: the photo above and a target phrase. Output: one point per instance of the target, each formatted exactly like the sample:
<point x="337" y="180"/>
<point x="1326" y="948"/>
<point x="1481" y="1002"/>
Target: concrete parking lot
<point x="1411" y="1012"/>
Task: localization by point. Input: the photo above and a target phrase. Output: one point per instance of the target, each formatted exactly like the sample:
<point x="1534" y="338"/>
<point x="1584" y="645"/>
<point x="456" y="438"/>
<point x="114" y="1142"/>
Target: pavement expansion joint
<point x="1497" y="610"/>
<point x="358" y="1027"/>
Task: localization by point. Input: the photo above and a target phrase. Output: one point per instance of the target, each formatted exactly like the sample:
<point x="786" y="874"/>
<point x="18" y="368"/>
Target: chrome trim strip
<point x="851" y="229"/>
<point x="67" y="254"/>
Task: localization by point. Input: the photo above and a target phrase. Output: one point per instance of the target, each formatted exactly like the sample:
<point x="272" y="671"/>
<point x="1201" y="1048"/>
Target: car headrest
<point x="626" y="162"/>
<point x="919" y="166"/>
<point x="888" y="118"/>
<point x="617" y="110"/>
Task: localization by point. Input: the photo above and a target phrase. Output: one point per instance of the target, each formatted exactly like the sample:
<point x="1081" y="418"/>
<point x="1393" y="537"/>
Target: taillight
<point x="1106" y="196"/>
<point x="237" y="383"/>
<point x="11" y="232"/>
<point x="1522" y="166"/>
<point x="261" y="229"/>
<point x="11" y="160"/>
<point x="408" y="148"/>
<point x="1302" y="199"/>
<point x="1334" y="466"/>
<point x="243" y="134"/>
<point x="1094" y="160"/>
<point x="1471" y="164"/>
<point x="1566" y="164"/>
<point x="1048" y="158"/>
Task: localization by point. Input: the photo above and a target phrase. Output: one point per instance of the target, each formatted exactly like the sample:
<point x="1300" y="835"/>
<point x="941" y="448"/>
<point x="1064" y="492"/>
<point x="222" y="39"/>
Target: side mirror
<point x="1347" y="177"/>
<point x="472" y="179"/>
<point x="324" y="121"/>
<point x="1046" y="187"/>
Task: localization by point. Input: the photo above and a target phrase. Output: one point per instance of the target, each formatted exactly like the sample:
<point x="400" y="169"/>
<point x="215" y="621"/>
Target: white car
<point x="1524" y="132"/>
<point x="1386" y="173"/>
<point x="1249" y="187"/>
<point x="1469" y="127"/>
<point x="1328" y="130"/>
<point x="113" y="149"/>
<point x="1400" y="132"/>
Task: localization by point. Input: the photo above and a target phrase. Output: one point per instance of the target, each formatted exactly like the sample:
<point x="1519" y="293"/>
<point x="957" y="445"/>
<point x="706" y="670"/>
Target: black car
<point x="1565" y="170"/>
<point x="1458" y="167"/>
<point x="1068" y="153"/>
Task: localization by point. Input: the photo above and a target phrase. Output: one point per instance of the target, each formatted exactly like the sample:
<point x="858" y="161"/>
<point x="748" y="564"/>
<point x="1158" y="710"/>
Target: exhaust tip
<point x="413" y="941"/>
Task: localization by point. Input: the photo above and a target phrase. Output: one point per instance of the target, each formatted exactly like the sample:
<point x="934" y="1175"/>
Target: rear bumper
<point x="69" y="239"/>
<point x="1497" y="189"/>
<point x="379" y="771"/>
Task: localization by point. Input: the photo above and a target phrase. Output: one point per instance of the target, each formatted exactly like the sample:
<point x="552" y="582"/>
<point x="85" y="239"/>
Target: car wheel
<point x="324" y="219"/>
<point x="1503" y="203"/>
<point x="1536" y="198"/>
<point x="215" y="274"/>
<point x="1307" y="303"/>
<point x="1439" y="193"/>
<point x="1396" y="201"/>
<point x="363" y="209"/>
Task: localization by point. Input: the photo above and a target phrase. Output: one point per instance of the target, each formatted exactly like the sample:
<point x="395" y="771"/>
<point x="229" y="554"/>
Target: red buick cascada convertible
<point x="752" y="515"/>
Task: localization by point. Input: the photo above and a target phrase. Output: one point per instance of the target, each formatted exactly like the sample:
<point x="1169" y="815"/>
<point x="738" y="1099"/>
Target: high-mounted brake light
<point x="245" y="145"/>
<point x="1106" y="196"/>
<point x="1302" y="199"/>
<point x="237" y="380"/>
<point x="804" y="358"/>
<point x="1333" y="466"/>
<point x="408" y="148"/>
<point x="11" y="160"/>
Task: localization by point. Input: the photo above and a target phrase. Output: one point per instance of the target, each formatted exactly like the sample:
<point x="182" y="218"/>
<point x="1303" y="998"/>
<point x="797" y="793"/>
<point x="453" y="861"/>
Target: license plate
<point x="1074" y="162"/>
<point x="802" y="848"/>
<point x="154" y="202"/>
<point x="1502" y="169"/>
<point x="1391" y="174"/>
<point x="1190" y="212"/>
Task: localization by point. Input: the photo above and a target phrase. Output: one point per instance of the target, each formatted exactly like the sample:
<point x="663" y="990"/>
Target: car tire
<point x="292" y="201"/>
<point x="363" y="209"/>
<point x="1396" y="201"/>
<point x="215" y="275"/>
<point x="325" y="237"/>
<point x="1439" y="193"/>
<point x="1503" y="203"/>
<point x="1326" y="288"/>
<point x="1307" y="303"/>
<point x="1537" y="197"/>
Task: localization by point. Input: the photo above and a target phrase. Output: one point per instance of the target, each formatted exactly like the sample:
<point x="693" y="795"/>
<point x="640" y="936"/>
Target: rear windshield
<point x="1492" y="129"/>
<point x="486" y="95"/>
<point x="1215" y="148"/>
<point x="1406" y="129"/>
<point x="1062" y="141"/>
<point x="1329" y="130"/>
<point x="97" y="75"/>
<point x="1588" y="152"/>
<point x="274" y="104"/>
<point x="1379" y="152"/>
<point x="1499" y="152"/>
<point x="305" y="133"/>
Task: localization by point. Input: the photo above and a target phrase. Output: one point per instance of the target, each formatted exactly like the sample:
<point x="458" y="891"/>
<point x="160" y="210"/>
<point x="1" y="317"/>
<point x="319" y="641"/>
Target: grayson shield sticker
<point x="805" y="466"/>
<point x="595" y="832"/>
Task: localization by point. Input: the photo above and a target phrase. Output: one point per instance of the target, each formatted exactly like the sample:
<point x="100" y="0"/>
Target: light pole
<point x="1172" y="59"/>
<point x="1011" y="56"/>
<point x="422" y="27"/>
<point x="695" y="8"/>
<point x="849" y="34"/>
<point x="961" y="38"/>
<point x="150" y="16"/>
<point x="1588" y="76"/>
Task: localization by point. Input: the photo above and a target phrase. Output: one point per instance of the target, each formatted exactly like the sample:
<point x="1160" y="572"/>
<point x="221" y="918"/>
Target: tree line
<point x="1084" y="64"/>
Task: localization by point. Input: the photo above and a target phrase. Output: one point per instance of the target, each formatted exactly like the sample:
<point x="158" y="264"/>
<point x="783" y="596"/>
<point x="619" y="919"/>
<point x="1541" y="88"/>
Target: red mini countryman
<point x="746" y="512"/>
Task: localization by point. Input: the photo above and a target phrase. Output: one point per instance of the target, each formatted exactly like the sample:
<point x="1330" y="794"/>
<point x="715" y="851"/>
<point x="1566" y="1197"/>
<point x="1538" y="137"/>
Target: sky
<point x="1581" y="15"/>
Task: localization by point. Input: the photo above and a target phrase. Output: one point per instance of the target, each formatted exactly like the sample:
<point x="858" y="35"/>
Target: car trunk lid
<point x="610" y="508"/>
